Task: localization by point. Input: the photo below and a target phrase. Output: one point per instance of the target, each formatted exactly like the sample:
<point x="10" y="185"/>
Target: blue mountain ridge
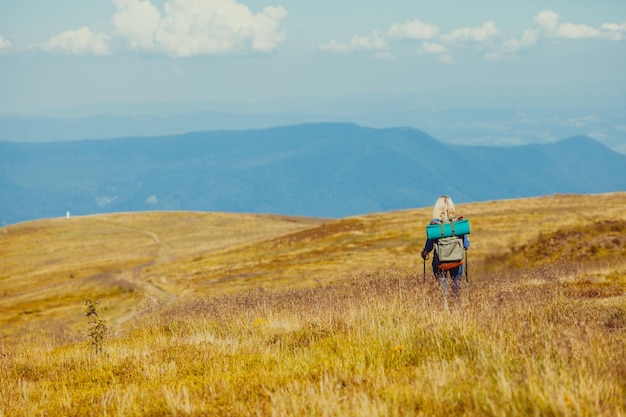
<point x="320" y="170"/>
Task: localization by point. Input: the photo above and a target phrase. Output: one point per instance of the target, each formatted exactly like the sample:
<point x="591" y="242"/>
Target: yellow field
<point x="231" y="314"/>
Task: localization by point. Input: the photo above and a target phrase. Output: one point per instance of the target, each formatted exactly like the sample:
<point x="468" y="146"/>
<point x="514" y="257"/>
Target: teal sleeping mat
<point x="456" y="228"/>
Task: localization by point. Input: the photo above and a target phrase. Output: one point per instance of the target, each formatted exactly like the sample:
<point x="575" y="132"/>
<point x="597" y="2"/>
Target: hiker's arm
<point x="427" y="248"/>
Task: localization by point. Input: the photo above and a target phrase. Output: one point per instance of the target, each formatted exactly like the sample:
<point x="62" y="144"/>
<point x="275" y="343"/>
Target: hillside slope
<point x="129" y="261"/>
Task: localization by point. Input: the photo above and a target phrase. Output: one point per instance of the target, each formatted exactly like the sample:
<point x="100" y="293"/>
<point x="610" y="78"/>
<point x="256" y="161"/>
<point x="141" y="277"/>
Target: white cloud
<point x="414" y="29"/>
<point x="572" y="31"/>
<point x="5" y="45"/>
<point x="372" y="43"/>
<point x="610" y="31"/>
<point x="529" y="40"/>
<point x="152" y="200"/>
<point x="78" y="42"/>
<point x="430" y="48"/>
<point x="547" y="20"/>
<point x="437" y="49"/>
<point x="369" y="43"/>
<point x="336" y="47"/>
<point x="613" y="31"/>
<point x="137" y="21"/>
<point x="548" y="26"/>
<point x="377" y="43"/>
<point x="480" y="34"/>
<point x="198" y="27"/>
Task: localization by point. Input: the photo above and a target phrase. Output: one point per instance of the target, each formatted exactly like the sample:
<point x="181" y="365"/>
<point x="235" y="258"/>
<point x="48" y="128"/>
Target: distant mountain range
<point x="503" y="116"/>
<point x="318" y="169"/>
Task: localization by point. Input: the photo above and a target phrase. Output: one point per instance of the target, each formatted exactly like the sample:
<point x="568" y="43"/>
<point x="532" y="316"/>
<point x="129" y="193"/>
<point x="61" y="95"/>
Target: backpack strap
<point x="451" y="225"/>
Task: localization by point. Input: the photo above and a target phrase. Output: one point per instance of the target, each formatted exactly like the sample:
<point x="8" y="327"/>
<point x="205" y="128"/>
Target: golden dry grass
<point x="49" y="267"/>
<point x="224" y="314"/>
<point x="369" y="344"/>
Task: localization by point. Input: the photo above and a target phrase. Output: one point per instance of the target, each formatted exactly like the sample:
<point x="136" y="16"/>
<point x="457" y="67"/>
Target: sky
<point x="73" y="54"/>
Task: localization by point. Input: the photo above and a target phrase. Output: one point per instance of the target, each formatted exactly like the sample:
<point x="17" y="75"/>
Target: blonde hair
<point x="444" y="208"/>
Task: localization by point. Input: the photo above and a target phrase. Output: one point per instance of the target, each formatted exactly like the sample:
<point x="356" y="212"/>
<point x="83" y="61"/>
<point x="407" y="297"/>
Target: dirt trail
<point x="137" y="278"/>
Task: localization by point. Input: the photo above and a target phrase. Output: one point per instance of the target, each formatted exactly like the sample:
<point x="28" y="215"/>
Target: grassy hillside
<point x="51" y="266"/>
<point x="230" y="314"/>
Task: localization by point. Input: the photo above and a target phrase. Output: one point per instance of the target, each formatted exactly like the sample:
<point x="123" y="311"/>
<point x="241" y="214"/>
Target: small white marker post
<point x="67" y="214"/>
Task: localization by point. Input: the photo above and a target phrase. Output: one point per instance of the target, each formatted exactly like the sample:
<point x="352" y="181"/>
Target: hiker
<point x="444" y="212"/>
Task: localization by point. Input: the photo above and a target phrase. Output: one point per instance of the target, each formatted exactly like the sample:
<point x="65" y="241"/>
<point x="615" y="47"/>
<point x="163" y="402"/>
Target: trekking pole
<point x="466" y="268"/>
<point x="424" y="274"/>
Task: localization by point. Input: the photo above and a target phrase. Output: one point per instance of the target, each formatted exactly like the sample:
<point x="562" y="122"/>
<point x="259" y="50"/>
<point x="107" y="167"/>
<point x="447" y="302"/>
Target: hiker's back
<point x="447" y="235"/>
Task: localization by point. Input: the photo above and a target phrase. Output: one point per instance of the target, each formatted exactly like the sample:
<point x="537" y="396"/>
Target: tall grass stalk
<point x="376" y="344"/>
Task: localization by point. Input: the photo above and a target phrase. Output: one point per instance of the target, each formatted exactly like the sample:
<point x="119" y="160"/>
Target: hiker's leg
<point x="457" y="276"/>
<point x="442" y="278"/>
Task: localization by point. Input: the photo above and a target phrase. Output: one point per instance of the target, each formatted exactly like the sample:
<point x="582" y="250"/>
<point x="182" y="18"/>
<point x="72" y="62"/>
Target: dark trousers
<point x="456" y="274"/>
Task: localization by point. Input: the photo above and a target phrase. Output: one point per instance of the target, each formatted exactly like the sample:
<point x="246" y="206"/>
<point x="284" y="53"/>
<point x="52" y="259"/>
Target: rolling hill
<point x="316" y="170"/>
<point x="126" y="259"/>
<point x="209" y="313"/>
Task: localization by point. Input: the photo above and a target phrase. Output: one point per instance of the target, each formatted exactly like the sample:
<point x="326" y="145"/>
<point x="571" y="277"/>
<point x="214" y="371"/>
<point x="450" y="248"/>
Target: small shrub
<point x="97" y="330"/>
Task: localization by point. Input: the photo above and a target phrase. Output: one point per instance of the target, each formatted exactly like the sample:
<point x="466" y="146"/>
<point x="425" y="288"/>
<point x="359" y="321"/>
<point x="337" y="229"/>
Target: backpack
<point x="449" y="246"/>
<point x="449" y="249"/>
